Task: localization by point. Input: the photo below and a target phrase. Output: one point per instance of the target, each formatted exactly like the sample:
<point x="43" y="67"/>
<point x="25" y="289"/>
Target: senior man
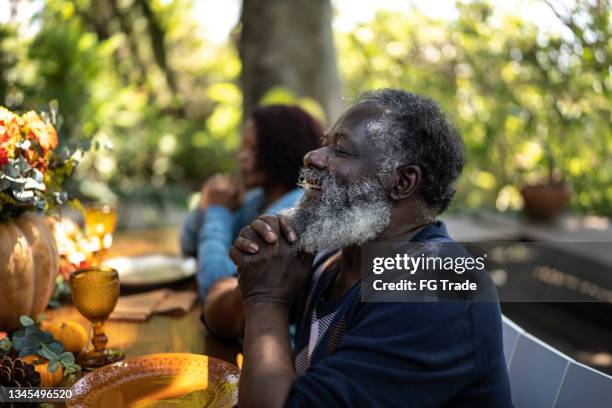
<point x="385" y="171"/>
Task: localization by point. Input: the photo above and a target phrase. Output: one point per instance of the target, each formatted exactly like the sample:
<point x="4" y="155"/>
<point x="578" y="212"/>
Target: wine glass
<point x="100" y="223"/>
<point x="94" y="293"/>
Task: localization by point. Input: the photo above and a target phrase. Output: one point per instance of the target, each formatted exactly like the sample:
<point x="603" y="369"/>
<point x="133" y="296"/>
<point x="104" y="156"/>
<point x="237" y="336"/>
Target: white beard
<point x="342" y="216"/>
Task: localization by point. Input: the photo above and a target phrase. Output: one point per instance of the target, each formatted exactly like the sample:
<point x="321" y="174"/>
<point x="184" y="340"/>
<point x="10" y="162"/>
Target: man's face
<point x="344" y="202"/>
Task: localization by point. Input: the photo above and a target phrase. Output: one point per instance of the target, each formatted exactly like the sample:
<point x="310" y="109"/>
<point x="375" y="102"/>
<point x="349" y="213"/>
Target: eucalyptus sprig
<point x="66" y="359"/>
<point x="30" y="339"/>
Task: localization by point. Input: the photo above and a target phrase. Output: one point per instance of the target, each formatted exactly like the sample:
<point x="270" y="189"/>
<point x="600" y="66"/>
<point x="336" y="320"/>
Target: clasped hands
<point x="270" y="270"/>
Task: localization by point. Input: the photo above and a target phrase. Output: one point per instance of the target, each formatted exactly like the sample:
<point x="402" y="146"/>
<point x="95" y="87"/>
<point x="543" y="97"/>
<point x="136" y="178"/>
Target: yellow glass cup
<point x="95" y="292"/>
<point x="100" y="223"/>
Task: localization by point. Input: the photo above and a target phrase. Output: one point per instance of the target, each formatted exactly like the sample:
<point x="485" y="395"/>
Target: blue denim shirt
<point x="208" y="235"/>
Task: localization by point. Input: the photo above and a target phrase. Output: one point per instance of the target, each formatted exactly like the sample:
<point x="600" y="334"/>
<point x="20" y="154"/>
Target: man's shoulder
<point x="434" y="232"/>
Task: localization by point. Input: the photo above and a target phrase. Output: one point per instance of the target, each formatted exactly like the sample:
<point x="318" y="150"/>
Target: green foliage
<point x="130" y="74"/>
<point x="30" y="339"/>
<point x="165" y="104"/>
<point x="532" y="108"/>
<point x="283" y="96"/>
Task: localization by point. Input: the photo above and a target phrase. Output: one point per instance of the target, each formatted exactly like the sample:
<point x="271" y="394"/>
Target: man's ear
<point x="407" y="181"/>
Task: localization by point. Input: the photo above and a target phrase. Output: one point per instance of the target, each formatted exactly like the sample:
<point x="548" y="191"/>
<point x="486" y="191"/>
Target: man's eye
<point x="340" y="151"/>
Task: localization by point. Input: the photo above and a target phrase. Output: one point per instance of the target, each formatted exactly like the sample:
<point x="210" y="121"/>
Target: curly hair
<point x="284" y="135"/>
<point x="413" y="130"/>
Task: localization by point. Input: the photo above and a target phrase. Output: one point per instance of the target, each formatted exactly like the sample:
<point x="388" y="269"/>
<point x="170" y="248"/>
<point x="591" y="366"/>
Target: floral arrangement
<point x="33" y="168"/>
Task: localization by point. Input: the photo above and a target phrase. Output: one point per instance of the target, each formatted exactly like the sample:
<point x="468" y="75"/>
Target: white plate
<point x="152" y="269"/>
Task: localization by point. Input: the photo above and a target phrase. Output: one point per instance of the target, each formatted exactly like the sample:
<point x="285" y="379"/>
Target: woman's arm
<point x="214" y="242"/>
<point x="189" y="232"/>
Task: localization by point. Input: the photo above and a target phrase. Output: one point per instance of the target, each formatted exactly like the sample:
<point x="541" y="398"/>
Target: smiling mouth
<point x="308" y="185"/>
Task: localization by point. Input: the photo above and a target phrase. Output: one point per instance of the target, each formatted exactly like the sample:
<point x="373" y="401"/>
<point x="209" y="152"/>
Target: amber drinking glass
<point x="94" y="293"/>
<point x="100" y="223"/>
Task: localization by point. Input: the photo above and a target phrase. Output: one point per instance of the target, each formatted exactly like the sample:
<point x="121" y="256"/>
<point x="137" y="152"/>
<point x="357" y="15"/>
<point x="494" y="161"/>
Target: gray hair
<point x="413" y="130"/>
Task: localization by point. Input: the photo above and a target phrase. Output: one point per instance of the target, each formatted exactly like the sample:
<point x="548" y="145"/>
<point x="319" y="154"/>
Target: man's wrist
<point x="263" y="300"/>
<point x="266" y="316"/>
<point x="266" y="305"/>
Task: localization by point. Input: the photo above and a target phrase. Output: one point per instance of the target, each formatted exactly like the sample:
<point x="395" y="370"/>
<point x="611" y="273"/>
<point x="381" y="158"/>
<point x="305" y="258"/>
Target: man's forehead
<point x="357" y="115"/>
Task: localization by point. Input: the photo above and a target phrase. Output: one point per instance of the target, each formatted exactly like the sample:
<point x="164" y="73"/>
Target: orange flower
<point x="36" y="161"/>
<point x="49" y="140"/>
<point x="37" y="129"/>
<point x="10" y="131"/>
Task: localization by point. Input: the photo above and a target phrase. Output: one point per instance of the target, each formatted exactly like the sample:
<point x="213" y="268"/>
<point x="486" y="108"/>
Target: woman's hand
<point x="220" y="189"/>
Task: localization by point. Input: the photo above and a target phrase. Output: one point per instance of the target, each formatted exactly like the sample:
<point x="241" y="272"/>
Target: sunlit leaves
<point x="281" y="95"/>
<point x="528" y="104"/>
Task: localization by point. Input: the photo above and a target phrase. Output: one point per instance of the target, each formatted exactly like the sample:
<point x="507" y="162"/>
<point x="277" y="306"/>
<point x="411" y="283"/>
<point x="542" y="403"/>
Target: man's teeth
<point x="312" y="186"/>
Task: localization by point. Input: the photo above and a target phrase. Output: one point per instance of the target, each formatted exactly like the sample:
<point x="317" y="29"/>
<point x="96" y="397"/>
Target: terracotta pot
<point x="29" y="263"/>
<point x="543" y="202"/>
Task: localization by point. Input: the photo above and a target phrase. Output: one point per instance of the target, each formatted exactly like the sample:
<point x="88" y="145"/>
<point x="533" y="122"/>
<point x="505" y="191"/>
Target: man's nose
<point x="316" y="158"/>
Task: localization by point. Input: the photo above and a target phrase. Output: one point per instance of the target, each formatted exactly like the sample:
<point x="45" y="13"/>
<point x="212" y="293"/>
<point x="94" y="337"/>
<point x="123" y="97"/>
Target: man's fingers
<point x="245" y="245"/>
<point x="264" y="230"/>
<point x="286" y="228"/>
<point x="236" y="256"/>
<point x="251" y="236"/>
<point x="272" y="221"/>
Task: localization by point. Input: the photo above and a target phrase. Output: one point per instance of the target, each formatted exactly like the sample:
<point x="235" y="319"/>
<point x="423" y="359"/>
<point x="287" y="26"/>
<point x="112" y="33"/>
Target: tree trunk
<point x="289" y="43"/>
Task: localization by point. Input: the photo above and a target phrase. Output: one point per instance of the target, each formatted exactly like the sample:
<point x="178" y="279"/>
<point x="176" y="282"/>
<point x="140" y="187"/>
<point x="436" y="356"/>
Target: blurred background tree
<point x="528" y="106"/>
<point x="136" y="76"/>
<point x="300" y="31"/>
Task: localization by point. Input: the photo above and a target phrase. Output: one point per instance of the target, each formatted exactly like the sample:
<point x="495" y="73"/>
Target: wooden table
<point x="160" y="334"/>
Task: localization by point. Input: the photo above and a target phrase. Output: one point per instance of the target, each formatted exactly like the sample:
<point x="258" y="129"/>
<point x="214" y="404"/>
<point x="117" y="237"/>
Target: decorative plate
<point x="159" y="380"/>
<point x="151" y="270"/>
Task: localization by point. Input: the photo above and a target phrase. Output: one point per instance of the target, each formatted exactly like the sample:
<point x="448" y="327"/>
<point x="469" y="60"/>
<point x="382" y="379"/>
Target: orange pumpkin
<point x="47" y="378"/>
<point x="70" y="333"/>
<point x="29" y="262"/>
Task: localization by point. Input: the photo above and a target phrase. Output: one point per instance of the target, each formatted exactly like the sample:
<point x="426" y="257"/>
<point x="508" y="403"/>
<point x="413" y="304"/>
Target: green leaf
<point x="47" y="337"/>
<point x="56" y="347"/>
<point x="67" y="359"/>
<point x="31" y="330"/>
<point x="26" y="351"/>
<point x="54" y="304"/>
<point x="53" y="365"/>
<point x="48" y="353"/>
<point x="18" y="342"/>
<point x="26" y="321"/>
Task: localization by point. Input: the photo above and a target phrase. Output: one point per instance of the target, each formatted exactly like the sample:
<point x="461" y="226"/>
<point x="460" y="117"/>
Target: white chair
<point x="541" y="376"/>
<point x="584" y="387"/>
<point x="510" y="333"/>
<point x="536" y="371"/>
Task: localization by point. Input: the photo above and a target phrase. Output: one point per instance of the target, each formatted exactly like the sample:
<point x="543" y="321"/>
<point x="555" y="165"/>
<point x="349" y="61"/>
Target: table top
<point x="159" y="334"/>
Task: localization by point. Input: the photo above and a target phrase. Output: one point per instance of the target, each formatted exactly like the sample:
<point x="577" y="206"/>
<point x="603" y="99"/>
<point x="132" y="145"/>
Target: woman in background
<point x="275" y="140"/>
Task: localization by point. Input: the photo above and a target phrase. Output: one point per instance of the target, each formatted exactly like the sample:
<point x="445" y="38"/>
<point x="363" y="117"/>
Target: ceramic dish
<point x="159" y="380"/>
<point x="151" y="270"/>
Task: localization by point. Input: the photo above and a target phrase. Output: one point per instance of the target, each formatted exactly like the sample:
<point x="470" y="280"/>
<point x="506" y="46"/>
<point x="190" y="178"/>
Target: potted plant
<point x="33" y="169"/>
<point x="545" y="200"/>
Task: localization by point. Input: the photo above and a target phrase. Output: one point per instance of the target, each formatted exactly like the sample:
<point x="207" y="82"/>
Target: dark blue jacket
<point x="442" y="354"/>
